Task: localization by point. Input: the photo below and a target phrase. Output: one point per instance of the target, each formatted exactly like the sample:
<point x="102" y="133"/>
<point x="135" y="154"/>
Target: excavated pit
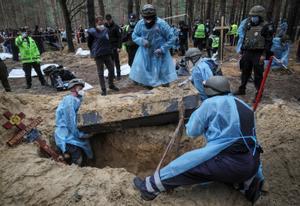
<point x="138" y="150"/>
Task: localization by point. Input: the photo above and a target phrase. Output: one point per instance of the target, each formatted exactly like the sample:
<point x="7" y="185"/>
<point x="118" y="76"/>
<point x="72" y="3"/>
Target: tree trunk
<point x="232" y="12"/>
<point x="137" y="7"/>
<point x="284" y="15"/>
<point x="212" y="10"/>
<point x="190" y="12"/>
<point x="91" y="12"/>
<point x="245" y="9"/>
<point x="101" y="7"/>
<point x="68" y="24"/>
<point x="53" y="3"/>
<point x="292" y="14"/>
<point x="208" y="10"/>
<point x="223" y="8"/>
<point x="130" y="7"/>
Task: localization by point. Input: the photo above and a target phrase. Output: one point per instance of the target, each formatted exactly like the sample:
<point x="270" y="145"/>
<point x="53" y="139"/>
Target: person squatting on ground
<point x="30" y="57"/>
<point x="153" y="65"/>
<point x="101" y="51"/>
<point x="203" y="69"/>
<point x="281" y="49"/>
<point x="231" y="154"/>
<point x="71" y="142"/>
<point x="115" y="39"/>
<point x="130" y="45"/>
<point x="253" y="44"/>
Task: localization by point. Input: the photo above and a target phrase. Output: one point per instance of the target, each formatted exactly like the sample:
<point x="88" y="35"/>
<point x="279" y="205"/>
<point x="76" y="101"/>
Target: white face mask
<point x="81" y="93"/>
<point x="100" y="27"/>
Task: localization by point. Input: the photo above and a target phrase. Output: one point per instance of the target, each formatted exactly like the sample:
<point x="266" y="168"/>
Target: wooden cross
<point x="29" y="130"/>
<point x="14" y="120"/>
<point x="221" y="28"/>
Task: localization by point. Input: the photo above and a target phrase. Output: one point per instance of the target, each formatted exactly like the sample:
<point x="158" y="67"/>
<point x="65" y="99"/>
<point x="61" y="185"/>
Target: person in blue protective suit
<point x="281" y="49"/>
<point x="68" y="138"/>
<point x="282" y="28"/>
<point x="231" y="154"/>
<point x="203" y="69"/>
<point x="153" y="65"/>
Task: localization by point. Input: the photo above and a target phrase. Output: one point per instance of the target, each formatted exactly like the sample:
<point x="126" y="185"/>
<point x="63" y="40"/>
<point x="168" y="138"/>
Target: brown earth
<point x="28" y="179"/>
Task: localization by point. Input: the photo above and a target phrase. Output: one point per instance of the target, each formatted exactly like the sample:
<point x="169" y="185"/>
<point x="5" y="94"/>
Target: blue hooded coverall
<point x="148" y="68"/>
<point x="227" y="124"/>
<point x="201" y="72"/>
<point x="66" y="131"/>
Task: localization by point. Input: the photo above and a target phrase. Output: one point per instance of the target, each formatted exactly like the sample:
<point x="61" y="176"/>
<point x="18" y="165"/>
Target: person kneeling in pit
<point x="203" y="69"/>
<point x="68" y="138"/>
<point x="231" y="154"/>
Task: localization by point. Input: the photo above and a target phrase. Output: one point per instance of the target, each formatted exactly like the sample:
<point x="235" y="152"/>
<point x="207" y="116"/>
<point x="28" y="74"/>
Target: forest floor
<point x="26" y="178"/>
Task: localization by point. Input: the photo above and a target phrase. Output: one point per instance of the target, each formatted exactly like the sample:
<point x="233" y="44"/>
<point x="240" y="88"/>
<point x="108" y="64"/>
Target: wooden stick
<point x="177" y="133"/>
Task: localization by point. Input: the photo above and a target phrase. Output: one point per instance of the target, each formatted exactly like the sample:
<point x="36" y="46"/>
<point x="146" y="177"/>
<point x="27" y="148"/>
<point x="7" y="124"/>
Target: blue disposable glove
<point x="146" y="43"/>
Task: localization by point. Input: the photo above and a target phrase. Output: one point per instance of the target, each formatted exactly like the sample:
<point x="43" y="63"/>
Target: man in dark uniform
<point x="3" y="72"/>
<point x="254" y="48"/>
<point x="115" y="39"/>
<point x="131" y="46"/>
<point x="183" y="37"/>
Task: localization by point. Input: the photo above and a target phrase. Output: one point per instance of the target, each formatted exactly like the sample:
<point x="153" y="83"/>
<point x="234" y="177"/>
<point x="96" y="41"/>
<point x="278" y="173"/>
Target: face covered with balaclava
<point x="255" y="20"/>
<point x="149" y="21"/>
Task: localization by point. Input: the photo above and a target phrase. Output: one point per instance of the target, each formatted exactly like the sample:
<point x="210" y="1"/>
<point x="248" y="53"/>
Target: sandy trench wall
<point x="28" y="179"/>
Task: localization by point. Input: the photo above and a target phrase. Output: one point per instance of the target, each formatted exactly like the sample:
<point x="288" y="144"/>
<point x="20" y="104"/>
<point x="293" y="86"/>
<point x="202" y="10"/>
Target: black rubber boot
<point x="103" y="93"/>
<point x="113" y="87"/>
<point x="145" y="195"/>
<point x="255" y="189"/>
<point x="239" y="92"/>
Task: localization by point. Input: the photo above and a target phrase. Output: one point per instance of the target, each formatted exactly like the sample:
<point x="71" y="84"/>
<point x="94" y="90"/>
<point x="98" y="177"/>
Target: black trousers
<point x="3" y="76"/>
<point x="131" y="53"/>
<point x="249" y="62"/>
<point x="183" y="47"/>
<point x="37" y="67"/>
<point x="116" y="61"/>
<point x="100" y="61"/>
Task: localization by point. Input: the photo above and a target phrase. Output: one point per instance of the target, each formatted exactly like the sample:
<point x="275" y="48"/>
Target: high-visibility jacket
<point x="215" y="41"/>
<point x="200" y="31"/>
<point x="234" y="29"/>
<point x="28" y="50"/>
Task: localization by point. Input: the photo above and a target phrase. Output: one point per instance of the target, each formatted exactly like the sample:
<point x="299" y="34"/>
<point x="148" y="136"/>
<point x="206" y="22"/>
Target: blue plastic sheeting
<point x="153" y="64"/>
<point x="66" y="131"/>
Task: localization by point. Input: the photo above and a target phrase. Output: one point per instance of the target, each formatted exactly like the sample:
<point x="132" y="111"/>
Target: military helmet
<point x="132" y="17"/>
<point x="216" y="85"/>
<point x="258" y="10"/>
<point x="148" y="10"/>
<point x="193" y="54"/>
<point x="75" y="82"/>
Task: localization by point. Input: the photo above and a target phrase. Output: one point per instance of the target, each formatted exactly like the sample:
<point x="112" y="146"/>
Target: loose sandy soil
<point x="26" y="178"/>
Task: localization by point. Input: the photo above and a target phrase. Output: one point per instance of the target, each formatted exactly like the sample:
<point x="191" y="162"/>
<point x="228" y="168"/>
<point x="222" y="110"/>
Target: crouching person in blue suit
<point x="68" y="138"/>
<point x="231" y="154"/>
